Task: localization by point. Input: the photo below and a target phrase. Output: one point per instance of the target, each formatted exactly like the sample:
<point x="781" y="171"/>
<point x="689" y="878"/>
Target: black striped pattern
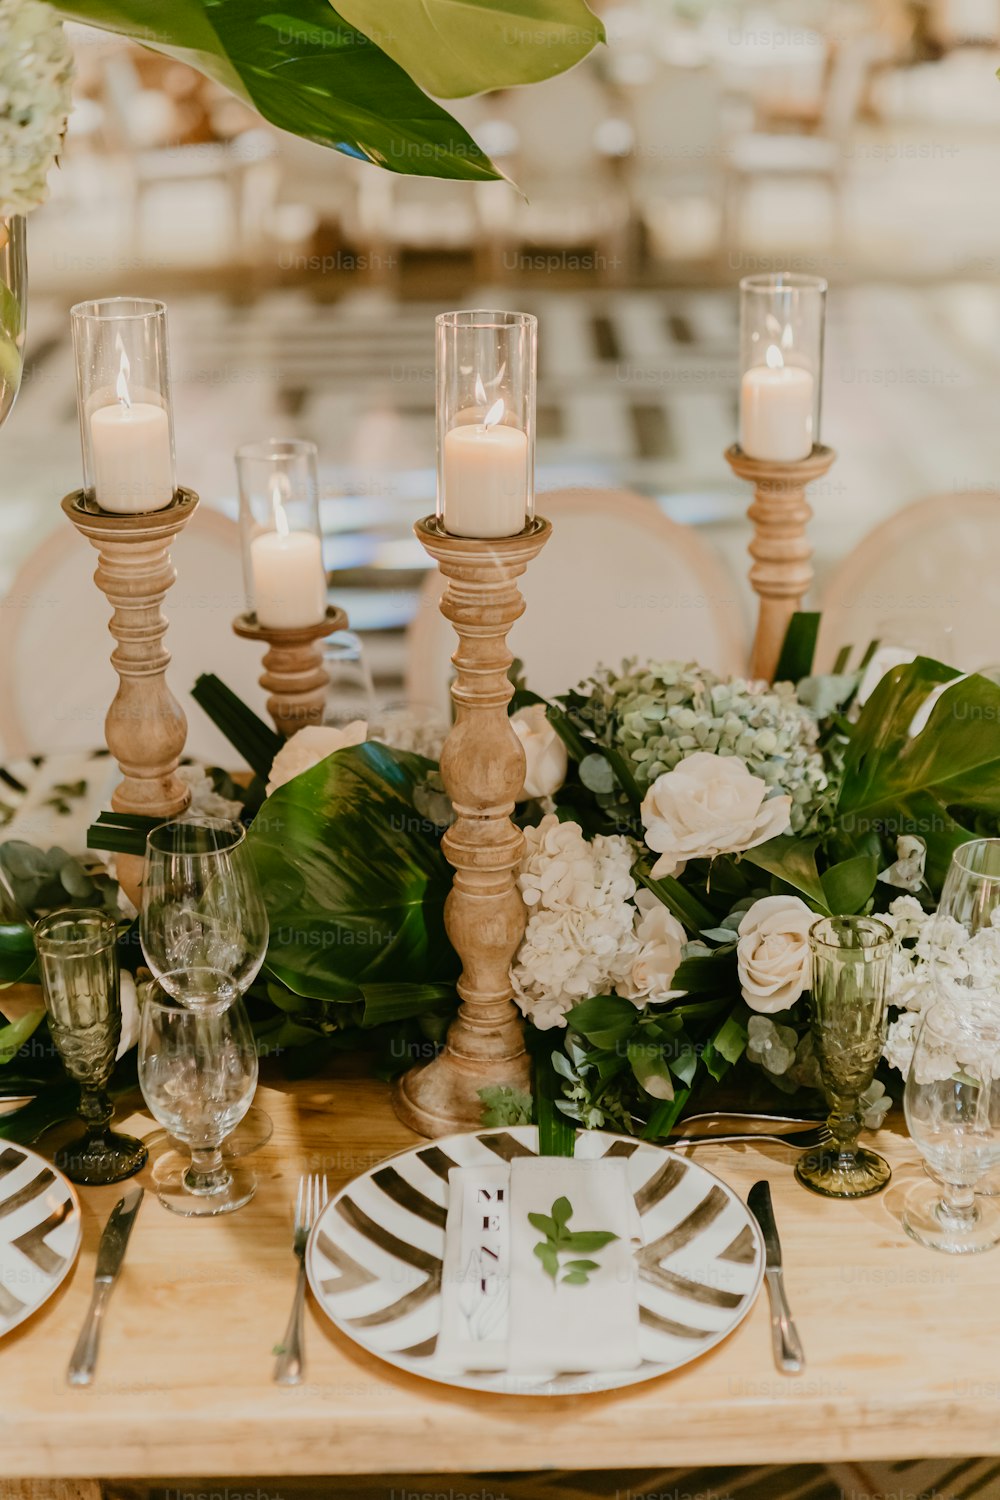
<point x="375" y="1259"/>
<point x="39" y="1233"/>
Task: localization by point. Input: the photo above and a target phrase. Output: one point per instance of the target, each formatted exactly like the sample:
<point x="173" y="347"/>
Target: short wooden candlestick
<point x="781" y="574"/>
<point x="482" y="765"/>
<point x="294" y="676"/>
<point x="145" y="728"/>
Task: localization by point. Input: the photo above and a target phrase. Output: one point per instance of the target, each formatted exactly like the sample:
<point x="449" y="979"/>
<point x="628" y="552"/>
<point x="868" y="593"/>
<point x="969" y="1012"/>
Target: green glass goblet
<point x="851" y="960"/>
<point x="78" y="964"/>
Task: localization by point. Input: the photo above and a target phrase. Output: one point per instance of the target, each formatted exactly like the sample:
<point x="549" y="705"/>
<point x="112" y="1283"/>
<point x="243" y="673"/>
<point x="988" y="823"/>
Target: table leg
<point x="50" y="1489"/>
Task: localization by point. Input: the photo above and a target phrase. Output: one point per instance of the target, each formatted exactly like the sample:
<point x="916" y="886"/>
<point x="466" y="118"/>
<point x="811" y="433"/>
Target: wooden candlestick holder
<point x="482" y="765"/>
<point x="294" y="676"/>
<point x="781" y="574"/>
<point x="145" y="728"/>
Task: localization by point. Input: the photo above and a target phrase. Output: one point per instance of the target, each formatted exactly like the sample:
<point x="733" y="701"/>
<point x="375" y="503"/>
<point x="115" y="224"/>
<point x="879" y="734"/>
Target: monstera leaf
<point x="895" y="783"/>
<point x="316" y="72"/>
<point x="458" y="47"/>
<point x="354" y="879"/>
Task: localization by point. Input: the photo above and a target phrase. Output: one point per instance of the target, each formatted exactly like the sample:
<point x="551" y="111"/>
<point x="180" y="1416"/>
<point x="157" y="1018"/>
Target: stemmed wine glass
<point x="952" y="1105"/>
<point x="198" y="1074"/>
<point x="851" y="958"/>
<point x="970" y="897"/>
<point x="203" y="926"/>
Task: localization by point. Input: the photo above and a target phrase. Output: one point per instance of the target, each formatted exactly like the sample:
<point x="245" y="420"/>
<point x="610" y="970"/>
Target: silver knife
<point x="788" y="1355"/>
<point x="110" y="1254"/>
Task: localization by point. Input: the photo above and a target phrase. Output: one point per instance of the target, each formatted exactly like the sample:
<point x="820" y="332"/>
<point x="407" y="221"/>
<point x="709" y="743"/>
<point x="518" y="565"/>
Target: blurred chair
<point x="564" y="165"/>
<point x="56" y="679"/>
<point x="617" y="579"/>
<point x="676" y="168"/>
<point x="928" y="578"/>
<point x="143" y="125"/>
<point x="757" y="156"/>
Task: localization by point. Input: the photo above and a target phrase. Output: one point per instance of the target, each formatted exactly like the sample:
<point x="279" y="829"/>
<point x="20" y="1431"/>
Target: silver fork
<point x="309" y="1204"/>
<point x="800" y="1140"/>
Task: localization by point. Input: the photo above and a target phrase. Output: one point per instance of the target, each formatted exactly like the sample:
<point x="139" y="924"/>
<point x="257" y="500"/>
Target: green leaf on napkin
<point x="561" y="1240"/>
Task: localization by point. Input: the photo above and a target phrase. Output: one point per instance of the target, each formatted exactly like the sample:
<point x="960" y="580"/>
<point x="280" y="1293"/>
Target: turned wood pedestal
<point x="294" y="676"/>
<point x="145" y="728"/>
<point x="482" y="765"/>
<point x="781" y="574"/>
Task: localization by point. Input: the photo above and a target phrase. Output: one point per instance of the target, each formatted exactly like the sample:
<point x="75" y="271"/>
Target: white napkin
<point x="475" y="1278"/>
<point x="557" y="1326"/>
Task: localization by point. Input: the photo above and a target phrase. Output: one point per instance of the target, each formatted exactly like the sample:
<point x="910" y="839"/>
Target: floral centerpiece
<point x="683" y="831"/>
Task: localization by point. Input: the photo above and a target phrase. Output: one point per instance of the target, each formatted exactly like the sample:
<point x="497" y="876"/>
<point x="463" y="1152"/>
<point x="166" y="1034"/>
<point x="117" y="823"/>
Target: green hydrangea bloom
<point x="658" y="714"/>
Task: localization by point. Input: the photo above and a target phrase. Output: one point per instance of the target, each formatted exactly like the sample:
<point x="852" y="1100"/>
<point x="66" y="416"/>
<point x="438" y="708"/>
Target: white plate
<point x="375" y="1253"/>
<point x="40" y="1232"/>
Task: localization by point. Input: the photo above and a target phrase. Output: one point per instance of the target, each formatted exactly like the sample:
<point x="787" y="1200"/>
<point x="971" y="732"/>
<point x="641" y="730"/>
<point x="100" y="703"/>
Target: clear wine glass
<point x="970" y="897"/>
<point x="952" y="1105"/>
<point x="198" y="1075"/>
<point x="203" y="924"/>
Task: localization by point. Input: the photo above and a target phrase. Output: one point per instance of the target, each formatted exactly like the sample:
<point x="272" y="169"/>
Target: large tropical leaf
<point x="353" y="878"/>
<point x="896" y="784"/>
<point x="307" y="70"/>
<point x="458" y="47"/>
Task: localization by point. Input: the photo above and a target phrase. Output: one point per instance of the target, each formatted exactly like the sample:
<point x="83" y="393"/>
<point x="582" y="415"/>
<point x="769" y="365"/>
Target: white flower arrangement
<point x="36" y="78"/>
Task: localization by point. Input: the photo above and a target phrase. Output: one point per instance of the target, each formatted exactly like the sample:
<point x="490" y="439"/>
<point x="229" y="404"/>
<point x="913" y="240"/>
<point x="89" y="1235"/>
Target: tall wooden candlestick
<point x="145" y="728"/>
<point x="482" y="765"/>
<point x="781" y="574"/>
<point x="294" y="677"/>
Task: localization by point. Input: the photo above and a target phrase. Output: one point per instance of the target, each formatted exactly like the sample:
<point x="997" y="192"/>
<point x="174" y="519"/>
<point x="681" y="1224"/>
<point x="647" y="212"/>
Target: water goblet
<point x="952" y="1107"/>
<point x="203" y="924"/>
<point x="851" y="958"/>
<point x="78" y="967"/>
<point x="198" y="1075"/>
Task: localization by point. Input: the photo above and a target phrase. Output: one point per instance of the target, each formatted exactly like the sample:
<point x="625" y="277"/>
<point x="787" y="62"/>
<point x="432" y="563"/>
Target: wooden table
<point x="902" y="1352"/>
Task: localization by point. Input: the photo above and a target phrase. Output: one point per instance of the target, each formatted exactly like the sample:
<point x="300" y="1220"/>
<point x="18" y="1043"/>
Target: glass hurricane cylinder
<point x="782" y="319"/>
<point x="851" y="964"/>
<point x="279" y="527"/>
<point x="78" y="967"/>
<point x="13" y="309"/>
<point x="486" y="365"/>
<point x="123" y="391"/>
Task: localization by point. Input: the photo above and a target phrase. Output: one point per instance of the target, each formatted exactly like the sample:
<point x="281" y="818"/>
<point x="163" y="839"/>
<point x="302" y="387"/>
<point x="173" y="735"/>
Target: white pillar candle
<point x="485" y="480"/>
<point x="133" y="468"/>
<point x="776" y="410"/>
<point x="289" y="583"/>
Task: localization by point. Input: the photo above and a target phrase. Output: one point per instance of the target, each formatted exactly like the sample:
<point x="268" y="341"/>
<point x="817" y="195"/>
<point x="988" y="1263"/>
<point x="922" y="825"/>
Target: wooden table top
<point x="901" y="1346"/>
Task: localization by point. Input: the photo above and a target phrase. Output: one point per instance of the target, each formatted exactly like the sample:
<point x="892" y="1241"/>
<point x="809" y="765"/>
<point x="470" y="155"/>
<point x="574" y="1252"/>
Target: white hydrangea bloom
<point x="580" y="939"/>
<point x="36" y="72"/>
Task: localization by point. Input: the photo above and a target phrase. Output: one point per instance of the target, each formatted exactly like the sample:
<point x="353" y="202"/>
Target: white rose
<point x="772" y="954"/>
<point x="311" y="745"/>
<point x="130" y="1013"/>
<point x="662" y="940"/>
<point x="545" y="758"/>
<point x="709" y="805"/>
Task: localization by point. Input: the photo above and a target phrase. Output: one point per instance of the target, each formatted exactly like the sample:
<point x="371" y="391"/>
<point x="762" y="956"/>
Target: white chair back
<point x="928" y="579"/>
<point x="56" y="679"/>
<point x="618" y="578"/>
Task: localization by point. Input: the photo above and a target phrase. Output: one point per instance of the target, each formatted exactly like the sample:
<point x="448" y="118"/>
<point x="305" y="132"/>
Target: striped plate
<point x="375" y="1254"/>
<point x="40" y="1232"/>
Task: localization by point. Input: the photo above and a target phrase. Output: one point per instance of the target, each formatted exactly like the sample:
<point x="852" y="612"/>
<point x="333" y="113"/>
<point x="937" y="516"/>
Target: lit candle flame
<point x="494" y="415"/>
<point x="773" y="358"/>
<point x="124" y="369"/>
<point x="280" y="492"/>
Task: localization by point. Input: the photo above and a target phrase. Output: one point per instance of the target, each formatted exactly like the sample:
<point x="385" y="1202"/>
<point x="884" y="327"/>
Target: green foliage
<point x="503" y="1105"/>
<point x="329" y="75"/>
<point x="560" y="1240"/>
